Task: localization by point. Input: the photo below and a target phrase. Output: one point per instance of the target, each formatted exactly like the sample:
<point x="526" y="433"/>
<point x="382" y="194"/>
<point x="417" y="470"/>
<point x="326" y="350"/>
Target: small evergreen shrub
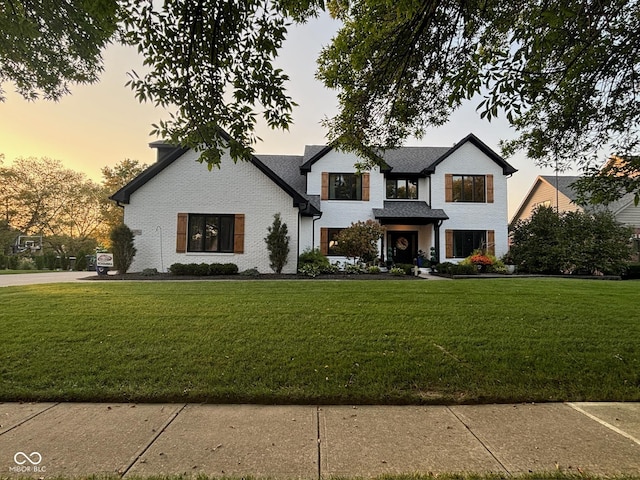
<point x="250" y="272"/>
<point x="406" y="267"/>
<point x="203" y="269"/>
<point x="122" y="246"/>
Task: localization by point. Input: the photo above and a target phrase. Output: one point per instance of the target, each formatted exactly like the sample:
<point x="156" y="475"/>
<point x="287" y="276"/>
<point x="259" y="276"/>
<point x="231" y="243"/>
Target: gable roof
<point x="413" y="160"/>
<point x="273" y="166"/>
<point x="564" y="184"/>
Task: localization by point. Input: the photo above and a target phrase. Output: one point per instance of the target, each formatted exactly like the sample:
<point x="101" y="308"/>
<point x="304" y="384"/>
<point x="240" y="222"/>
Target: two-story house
<point x="451" y="198"/>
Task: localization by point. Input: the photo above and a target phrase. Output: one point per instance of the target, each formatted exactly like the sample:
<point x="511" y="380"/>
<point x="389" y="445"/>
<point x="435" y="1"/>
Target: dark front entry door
<point x="403" y="246"/>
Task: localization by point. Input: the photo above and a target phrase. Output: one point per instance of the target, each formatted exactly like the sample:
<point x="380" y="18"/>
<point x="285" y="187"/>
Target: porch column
<point x="436" y="229"/>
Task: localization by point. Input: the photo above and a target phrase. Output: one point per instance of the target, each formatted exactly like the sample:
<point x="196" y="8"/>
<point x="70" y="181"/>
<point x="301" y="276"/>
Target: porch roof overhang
<point x="408" y="212"/>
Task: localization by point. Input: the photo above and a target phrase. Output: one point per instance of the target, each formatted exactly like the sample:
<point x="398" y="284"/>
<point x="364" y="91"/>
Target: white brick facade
<point x="293" y="187"/>
<point x="186" y="186"/>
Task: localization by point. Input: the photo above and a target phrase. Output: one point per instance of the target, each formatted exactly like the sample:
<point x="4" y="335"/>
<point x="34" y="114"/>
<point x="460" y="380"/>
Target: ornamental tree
<point x="277" y="244"/>
<point x="360" y="241"/>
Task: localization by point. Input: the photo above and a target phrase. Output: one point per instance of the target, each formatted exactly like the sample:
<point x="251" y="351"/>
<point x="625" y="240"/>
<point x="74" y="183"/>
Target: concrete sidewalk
<point x="75" y="439"/>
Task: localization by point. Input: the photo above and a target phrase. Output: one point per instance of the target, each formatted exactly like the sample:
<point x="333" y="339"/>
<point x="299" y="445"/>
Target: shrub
<point x="406" y="267"/>
<point x="26" y="264"/>
<point x="250" y="272"/>
<point x="39" y="259"/>
<point x="123" y="248"/>
<point x="278" y="244"/>
<point x="223" y="269"/>
<point x="360" y="240"/>
<point x="570" y="242"/>
<point x="373" y="270"/>
<point x="13" y="262"/>
<point x="354" y="269"/>
<point x="149" y="272"/>
<point x="3" y="261"/>
<point x="398" y="272"/>
<point x="203" y="269"/>
<point x="448" y="268"/>
<point x="178" y="269"/>
<point x="309" y="270"/>
<point x="50" y="260"/>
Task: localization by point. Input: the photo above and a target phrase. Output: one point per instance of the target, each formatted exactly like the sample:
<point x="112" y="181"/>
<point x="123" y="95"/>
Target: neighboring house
<point x="544" y="193"/>
<point x="451" y="198"/>
<point x="563" y="198"/>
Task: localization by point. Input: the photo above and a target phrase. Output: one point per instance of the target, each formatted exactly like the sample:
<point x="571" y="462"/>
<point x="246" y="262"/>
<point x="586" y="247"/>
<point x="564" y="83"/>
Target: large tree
<point x="564" y="73"/>
<point x="113" y="179"/>
<point x="42" y="197"/>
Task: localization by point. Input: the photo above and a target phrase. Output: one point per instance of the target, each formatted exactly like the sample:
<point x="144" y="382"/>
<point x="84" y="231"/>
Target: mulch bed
<point x="266" y="276"/>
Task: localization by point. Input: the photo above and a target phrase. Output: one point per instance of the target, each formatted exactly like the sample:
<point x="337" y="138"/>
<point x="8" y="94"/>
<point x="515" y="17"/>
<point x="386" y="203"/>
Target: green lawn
<point x="504" y="340"/>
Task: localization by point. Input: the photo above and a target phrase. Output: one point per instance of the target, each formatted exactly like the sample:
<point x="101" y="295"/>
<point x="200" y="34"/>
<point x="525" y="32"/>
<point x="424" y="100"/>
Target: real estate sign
<point x="104" y="260"/>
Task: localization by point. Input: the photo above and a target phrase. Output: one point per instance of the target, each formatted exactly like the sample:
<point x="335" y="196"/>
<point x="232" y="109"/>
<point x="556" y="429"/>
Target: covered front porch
<point x="411" y="226"/>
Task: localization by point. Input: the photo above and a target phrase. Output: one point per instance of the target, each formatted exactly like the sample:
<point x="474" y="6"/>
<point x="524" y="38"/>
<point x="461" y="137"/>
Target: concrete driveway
<point x="48" y="277"/>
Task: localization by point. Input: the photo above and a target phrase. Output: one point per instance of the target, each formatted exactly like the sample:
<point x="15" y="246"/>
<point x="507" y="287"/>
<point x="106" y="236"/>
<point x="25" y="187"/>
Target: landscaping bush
<point x="122" y="246"/>
<point x="250" y="272"/>
<point x="3" y="261"/>
<point x="40" y="263"/>
<point x="50" y="260"/>
<point x="26" y="264"/>
<point x="309" y="270"/>
<point x="278" y="244"/>
<point x="13" y="262"/>
<point x="449" y="268"/>
<point x="354" y="269"/>
<point x="313" y="257"/>
<point x="398" y="272"/>
<point x="572" y="242"/>
<point x="406" y="267"/>
<point x="223" y="269"/>
<point x="203" y="269"/>
<point x="373" y="270"/>
<point x="178" y="269"/>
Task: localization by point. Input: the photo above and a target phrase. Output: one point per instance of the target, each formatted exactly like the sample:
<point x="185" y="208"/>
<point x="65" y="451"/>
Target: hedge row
<point x="203" y="269"/>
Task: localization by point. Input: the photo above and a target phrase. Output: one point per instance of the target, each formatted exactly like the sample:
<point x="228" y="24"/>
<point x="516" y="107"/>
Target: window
<point x="210" y="233"/>
<point x="345" y="186"/>
<point x="402" y="188"/>
<point x="466" y="241"/>
<point x="333" y="243"/>
<point x="468" y="188"/>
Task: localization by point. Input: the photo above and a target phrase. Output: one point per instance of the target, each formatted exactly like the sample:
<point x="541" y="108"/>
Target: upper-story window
<point x="402" y="188"/>
<point x="468" y="188"/>
<point x="345" y="186"/>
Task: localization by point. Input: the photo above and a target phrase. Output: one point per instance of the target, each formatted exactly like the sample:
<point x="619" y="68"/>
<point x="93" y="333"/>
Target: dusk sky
<point x="102" y="124"/>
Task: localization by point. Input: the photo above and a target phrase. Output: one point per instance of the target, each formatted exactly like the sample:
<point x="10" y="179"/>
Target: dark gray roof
<point x="287" y="167"/>
<point x="409" y="209"/>
<point x="413" y="160"/>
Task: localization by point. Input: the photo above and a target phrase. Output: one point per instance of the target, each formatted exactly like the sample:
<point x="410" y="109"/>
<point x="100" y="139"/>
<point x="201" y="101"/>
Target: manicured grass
<point x="504" y="340"/>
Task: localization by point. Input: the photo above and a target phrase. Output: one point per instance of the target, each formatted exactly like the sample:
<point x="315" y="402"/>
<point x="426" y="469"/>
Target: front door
<point x="402" y="246"/>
